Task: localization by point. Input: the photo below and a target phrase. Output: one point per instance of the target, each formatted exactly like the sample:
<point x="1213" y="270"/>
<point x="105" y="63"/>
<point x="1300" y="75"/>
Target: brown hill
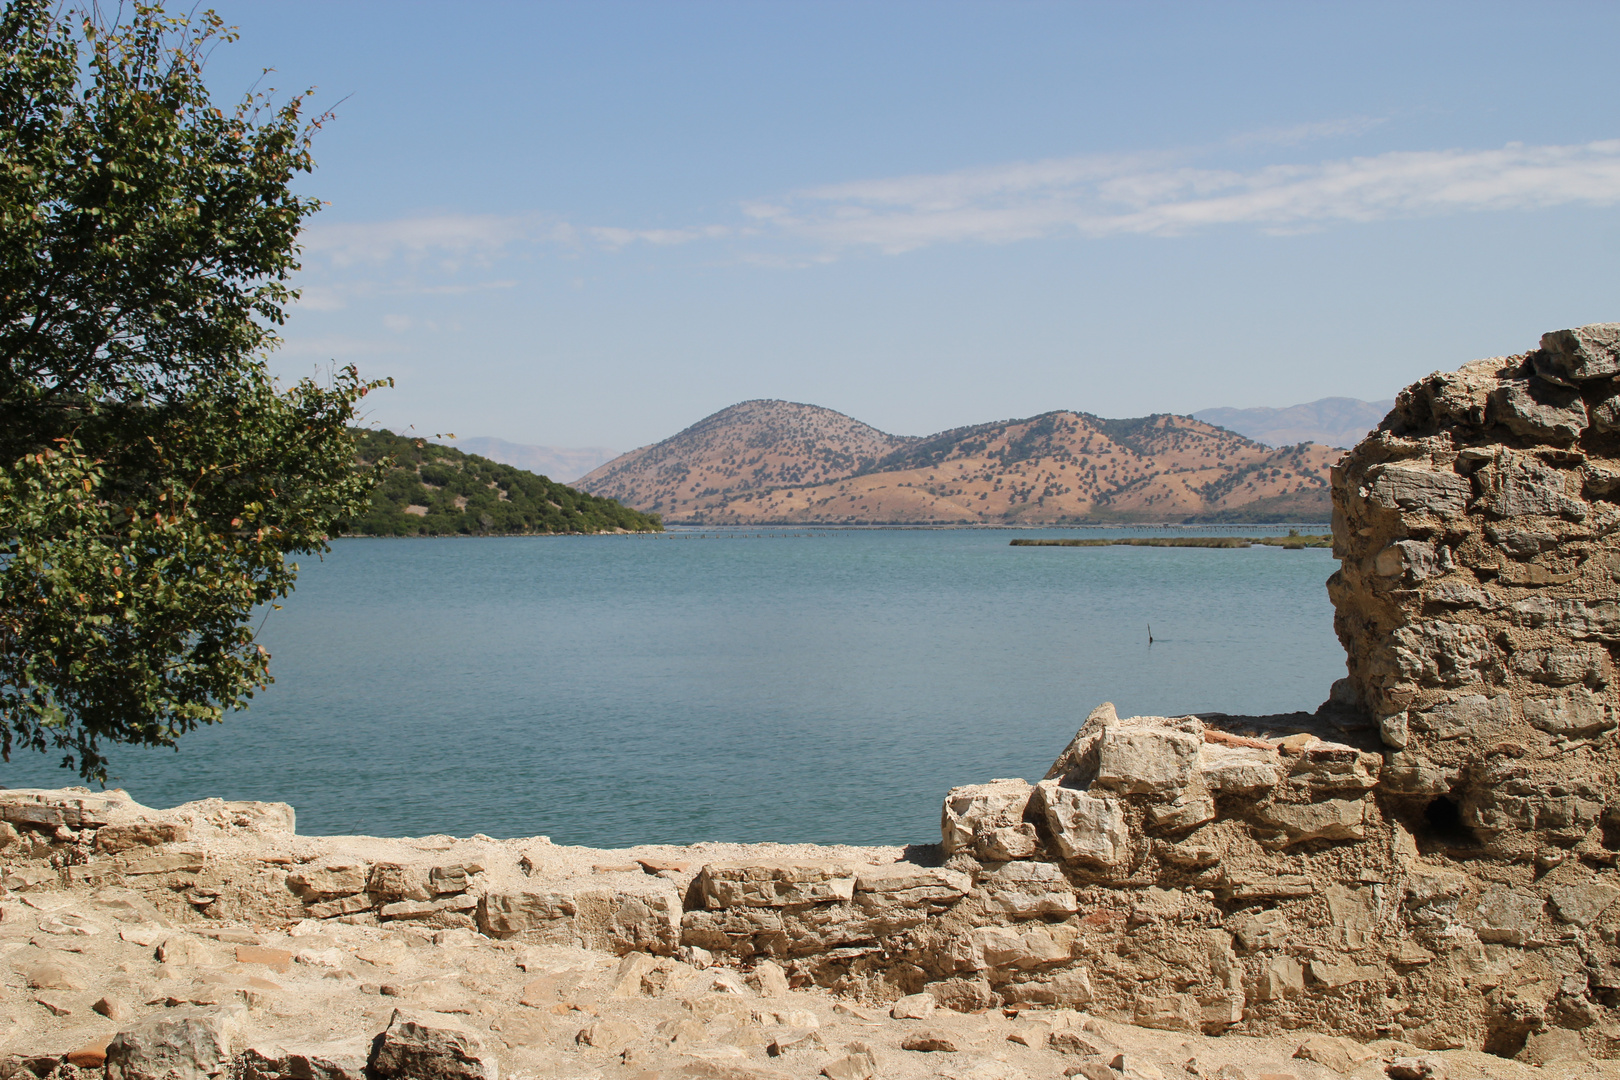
<point x="1054" y="468"/>
<point x="751" y="447"/>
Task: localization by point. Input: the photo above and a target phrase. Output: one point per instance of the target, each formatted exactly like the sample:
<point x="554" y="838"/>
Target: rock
<point x="795" y="1041"/>
<point x="183" y="949"/>
<point x="324" y="1061"/>
<point x="1131" y="1067"/>
<point x="1071" y="1042"/>
<point x="113" y="1008"/>
<point x="1506" y="915"/>
<point x="1027" y="890"/>
<point x="1091" y="1070"/>
<point x="1552" y="1046"/>
<point x="1148" y="755"/>
<point x="610" y="1035"/>
<point x="177" y="1044"/>
<point x="275" y="959"/>
<point x="982" y="818"/>
<point x="430" y="1046"/>
<point x="962" y="995"/>
<point x="332" y="882"/>
<point x="1340" y="1055"/>
<point x="908" y="885"/>
<point x="1006" y="947"/>
<point x="54" y="977"/>
<point x="1538" y="409"/>
<point x="92" y="1055"/>
<point x="1580" y="355"/>
<point x="113" y="839"/>
<point x="856" y="1065"/>
<point x="1085" y="828"/>
<point x="774" y="883"/>
<point x="1582" y="904"/>
<point x="1330" y="819"/>
<point x="1281" y="977"/>
<point x="1402" y="487"/>
<point x="1169" y="1012"/>
<point x="913" y="1007"/>
<point x="768" y="979"/>
<point x="1417" y="1068"/>
<point x="1238" y="770"/>
<point x="929" y="1041"/>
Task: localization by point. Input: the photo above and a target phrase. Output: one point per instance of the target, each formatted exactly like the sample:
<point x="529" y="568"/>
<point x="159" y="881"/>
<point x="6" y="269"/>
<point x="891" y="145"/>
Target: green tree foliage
<point x="433" y="490"/>
<point x="153" y="478"/>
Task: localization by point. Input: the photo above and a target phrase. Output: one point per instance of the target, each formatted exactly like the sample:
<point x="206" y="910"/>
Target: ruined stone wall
<point x="1429" y="858"/>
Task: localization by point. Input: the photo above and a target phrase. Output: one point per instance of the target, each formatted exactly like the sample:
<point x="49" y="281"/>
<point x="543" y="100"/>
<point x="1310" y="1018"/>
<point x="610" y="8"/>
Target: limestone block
<point x="1332" y="1052"/>
<point x="323" y="1061"/>
<point x="176" y="1044"/>
<point x="1257" y="930"/>
<point x="113" y="839"/>
<point x="1579" y="355"/>
<point x="1552" y="1046"/>
<point x="1332" y="766"/>
<point x="1410" y="560"/>
<point x="1192" y="808"/>
<point x="1470" y="714"/>
<point x="1442" y="653"/>
<point x="1006" y="947"/>
<point x="1085" y="828"/>
<point x="1027" y="890"/>
<point x="1409" y="773"/>
<point x="1330" y="819"/>
<point x="391" y="881"/>
<point x="1597" y="620"/>
<point x="968" y="809"/>
<point x="1080" y="756"/>
<point x="1409" y="487"/>
<point x="50" y="809"/>
<point x="913" y="1007"/>
<point x="328" y="882"/>
<point x="774" y="883"/>
<point x="1280" y="977"/>
<point x="430" y="1046"/>
<point x="1220" y="1011"/>
<point x="1229" y="770"/>
<point x="1354" y="916"/>
<point x="644" y="918"/>
<point x="1168" y="1012"/>
<point x="1332" y="974"/>
<point x="1538" y="409"/>
<point x="1582" y="903"/>
<point x="549" y="914"/>
<point x="1001" y="843"/>
<point x="962" y="995"/>
<point x="1146" y="756"/>
<point x="739" y="931"/>
<point x="1575" y="713"/>
<point x="1506" y="915"/>
<point x="1565" y="665"/>
<point x="909" y="885"/>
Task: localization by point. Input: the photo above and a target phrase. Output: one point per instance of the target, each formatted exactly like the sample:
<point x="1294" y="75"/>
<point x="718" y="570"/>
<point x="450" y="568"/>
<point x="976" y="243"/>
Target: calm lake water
<point x="786" y="685"/>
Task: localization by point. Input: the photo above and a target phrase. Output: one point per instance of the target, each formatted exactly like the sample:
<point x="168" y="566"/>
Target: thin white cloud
<point x="445" y="236"/>
<point x="1167" y="193"/>
<point x="1101" y="196"/>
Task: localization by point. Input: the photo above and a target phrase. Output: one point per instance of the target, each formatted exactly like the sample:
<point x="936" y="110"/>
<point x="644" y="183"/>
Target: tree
<point x="154" y="479"/>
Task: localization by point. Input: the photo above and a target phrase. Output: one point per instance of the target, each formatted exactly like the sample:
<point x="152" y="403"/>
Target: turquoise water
<point x="788" y="685"/>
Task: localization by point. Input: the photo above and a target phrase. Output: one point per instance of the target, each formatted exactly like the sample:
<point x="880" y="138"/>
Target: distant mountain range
<point x="1333" y="421"/>
<point x="555" y="462"/>
<point x="782" y="462"/>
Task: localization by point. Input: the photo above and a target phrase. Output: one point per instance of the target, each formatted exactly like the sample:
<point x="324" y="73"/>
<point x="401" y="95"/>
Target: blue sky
<point x="591" y="224"/>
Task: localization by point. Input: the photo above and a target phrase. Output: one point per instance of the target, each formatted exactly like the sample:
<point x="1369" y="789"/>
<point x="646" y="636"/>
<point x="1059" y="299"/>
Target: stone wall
<point x="1429" y="858"/>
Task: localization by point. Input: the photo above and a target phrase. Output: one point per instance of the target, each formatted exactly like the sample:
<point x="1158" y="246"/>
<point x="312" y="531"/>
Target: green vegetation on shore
<point x="434" y="490"/>
<point x="1293" y="542"/>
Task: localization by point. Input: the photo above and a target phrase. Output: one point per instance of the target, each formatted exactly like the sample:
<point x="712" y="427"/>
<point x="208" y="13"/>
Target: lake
<point x="790" y="685"/>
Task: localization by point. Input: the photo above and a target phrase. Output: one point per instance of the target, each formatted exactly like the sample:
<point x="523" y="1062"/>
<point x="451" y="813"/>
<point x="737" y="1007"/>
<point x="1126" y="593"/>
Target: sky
<point x="593" y="224"/>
